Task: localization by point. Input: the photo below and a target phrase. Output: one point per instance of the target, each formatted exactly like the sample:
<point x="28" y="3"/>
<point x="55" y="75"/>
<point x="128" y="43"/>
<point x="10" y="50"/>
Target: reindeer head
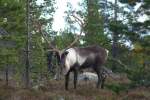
<point x="68" y="60"/>
<point x="63" y="57"/>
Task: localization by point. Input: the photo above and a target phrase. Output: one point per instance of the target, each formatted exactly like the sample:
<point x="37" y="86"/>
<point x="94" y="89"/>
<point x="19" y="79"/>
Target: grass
<point x="54" y="90"/>
<point x="140" y="93"/>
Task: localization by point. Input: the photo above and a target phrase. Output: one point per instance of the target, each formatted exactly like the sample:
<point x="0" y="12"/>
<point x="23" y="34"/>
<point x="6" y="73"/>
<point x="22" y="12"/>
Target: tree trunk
<point x="114" y="45"/>
<point x="6" y="75"/>
<point x="27" y="80"/>
<point x="6" y="71"/>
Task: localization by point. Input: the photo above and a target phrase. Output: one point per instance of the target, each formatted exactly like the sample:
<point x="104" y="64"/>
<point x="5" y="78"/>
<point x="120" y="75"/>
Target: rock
<point x="88" y="76"/>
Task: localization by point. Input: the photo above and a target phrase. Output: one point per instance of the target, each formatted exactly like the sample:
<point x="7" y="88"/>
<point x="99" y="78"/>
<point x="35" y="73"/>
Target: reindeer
<point x="75" y="59"/>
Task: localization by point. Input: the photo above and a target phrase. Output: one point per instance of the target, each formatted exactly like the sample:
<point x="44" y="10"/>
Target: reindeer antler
<point x="81" y="24"/>
<point x="52" y="47"/>
<point x="40" y="30"/>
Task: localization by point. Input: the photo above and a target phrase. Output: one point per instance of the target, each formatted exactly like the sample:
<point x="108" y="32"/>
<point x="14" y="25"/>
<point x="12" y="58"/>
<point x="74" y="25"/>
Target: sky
<point x="59" y="21"/>
<point x="59" y="14"/>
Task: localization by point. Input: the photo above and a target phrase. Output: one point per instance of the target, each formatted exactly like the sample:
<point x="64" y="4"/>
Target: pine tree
<point x="12" y="19"/>
<point x="93" y="29"/>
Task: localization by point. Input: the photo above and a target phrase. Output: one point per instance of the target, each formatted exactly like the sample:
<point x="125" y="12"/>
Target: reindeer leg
<point x="103" y="76"/>
<point x="75" y="78"/>
<point x="67" y="80"/>
<point x="103" y="80"/>
<point x="99" y="77"/>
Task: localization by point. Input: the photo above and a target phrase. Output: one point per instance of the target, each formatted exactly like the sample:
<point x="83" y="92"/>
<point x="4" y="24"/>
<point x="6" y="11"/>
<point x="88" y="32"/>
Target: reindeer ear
<point x="66" y="52"/>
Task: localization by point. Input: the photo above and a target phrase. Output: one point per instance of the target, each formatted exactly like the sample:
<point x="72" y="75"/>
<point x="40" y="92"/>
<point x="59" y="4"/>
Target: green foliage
<point x="140" y="76"/>
<point x="117" y="88"/>
<point x="13" y="20"/>
<point x="66" y="37"/>
<point x="137" y="33"/>
<point x="42" y="13"/>
<point x="13" y="16"/>
<point x="93" y="24"/>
